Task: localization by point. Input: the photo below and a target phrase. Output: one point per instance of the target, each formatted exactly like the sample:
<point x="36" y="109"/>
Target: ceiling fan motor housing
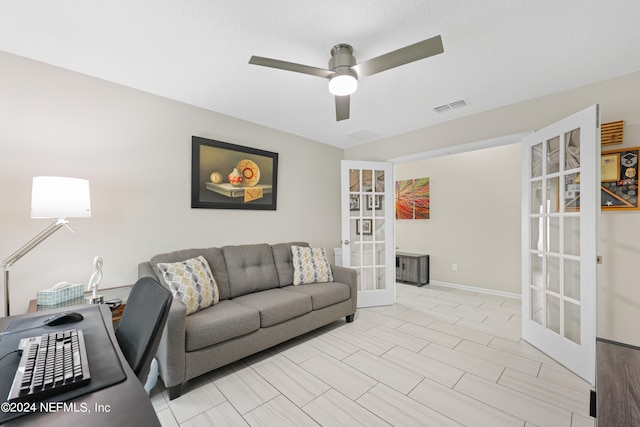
<point x="342" y="58"/>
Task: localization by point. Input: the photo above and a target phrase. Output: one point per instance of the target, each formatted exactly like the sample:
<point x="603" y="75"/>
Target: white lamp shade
<point x="60" y="197"/>
<point x="344" y="84"/>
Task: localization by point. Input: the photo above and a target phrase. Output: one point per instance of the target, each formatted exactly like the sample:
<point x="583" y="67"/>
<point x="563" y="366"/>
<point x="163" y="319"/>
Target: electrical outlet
<point x="454" y="267"/>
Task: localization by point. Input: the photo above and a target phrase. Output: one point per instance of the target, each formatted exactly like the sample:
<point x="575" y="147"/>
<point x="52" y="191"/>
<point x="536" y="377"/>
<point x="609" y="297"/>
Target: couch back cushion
<point x="250" y="268"/>
<point x="282" y="257"/>
<point x="214" y="258"/>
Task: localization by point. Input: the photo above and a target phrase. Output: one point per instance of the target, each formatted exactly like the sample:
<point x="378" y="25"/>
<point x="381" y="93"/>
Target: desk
<point x="127" y="402"/>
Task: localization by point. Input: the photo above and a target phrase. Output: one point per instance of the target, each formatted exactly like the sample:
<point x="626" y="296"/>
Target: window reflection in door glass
<point x="553" y="155"/>
<point x="572" y="149"/>
<point x="354" y="180"/>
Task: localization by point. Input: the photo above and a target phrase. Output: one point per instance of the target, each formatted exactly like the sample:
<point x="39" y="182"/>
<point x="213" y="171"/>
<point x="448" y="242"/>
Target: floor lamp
<point x="51" y="197"/>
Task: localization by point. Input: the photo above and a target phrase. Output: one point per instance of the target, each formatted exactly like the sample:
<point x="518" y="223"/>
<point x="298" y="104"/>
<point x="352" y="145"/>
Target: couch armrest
<point x="145" y="270"/>
<point x="350" y="277"/>
<point x="171" y="350"/>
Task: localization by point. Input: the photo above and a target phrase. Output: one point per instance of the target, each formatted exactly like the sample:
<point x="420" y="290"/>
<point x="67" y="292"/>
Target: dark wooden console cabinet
<point x="412" y="268"/>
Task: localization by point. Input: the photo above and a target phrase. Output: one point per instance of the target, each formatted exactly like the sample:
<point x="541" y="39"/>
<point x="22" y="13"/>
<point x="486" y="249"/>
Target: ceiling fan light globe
<point x="342" y="85"/>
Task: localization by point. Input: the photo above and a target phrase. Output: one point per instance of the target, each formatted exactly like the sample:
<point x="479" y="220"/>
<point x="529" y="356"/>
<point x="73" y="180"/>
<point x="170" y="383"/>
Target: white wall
<point x="619" y="293"/>
<point x="474" y="220"/>
<point x="135" y="149"/>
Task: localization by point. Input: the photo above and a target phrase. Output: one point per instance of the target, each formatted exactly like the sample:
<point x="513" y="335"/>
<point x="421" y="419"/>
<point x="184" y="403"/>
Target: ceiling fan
<point x="343" y="72"/>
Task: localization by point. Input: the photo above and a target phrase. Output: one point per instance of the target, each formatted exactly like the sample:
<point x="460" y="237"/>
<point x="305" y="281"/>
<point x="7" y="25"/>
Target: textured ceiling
<point x="497" y="52"/>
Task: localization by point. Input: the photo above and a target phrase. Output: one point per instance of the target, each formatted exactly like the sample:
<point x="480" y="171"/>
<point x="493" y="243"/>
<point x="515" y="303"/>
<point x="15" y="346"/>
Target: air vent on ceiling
<point x="452" y="105"/>
<point x="362" y="134"/>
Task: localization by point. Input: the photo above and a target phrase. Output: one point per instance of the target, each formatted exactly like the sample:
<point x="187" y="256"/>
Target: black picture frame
<point x="364" y="227"/>
<point x="257" y="169"/>
<point x="374" y="202"/>
<point x="354" y="202"/>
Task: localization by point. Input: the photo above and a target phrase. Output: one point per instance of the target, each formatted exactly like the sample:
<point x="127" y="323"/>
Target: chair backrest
<point x="141" y="325"/>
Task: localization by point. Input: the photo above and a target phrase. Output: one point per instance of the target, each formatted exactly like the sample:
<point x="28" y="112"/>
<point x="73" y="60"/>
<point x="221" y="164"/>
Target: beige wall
<point x="619" y="293"/>
<point x="135" y="149"/>
<point x="474" y="220"/>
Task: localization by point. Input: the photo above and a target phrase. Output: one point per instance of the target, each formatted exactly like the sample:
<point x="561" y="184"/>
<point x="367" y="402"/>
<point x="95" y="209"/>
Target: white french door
<point x="368" y="221"/>
<point x="560" y="238"/>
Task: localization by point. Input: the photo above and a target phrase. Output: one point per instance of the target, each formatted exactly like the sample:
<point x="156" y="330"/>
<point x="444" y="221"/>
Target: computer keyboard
<point x="50" y="364"/>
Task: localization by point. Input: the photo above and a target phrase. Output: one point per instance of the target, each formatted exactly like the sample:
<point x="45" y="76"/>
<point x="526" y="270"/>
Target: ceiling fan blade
<point x="405" y="55"/>
<point x="342" y="107"/>
<point x="290" y="66"/>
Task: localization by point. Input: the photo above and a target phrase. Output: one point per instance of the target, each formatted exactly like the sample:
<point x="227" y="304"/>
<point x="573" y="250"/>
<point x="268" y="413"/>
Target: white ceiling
<point x="497" y="52"/>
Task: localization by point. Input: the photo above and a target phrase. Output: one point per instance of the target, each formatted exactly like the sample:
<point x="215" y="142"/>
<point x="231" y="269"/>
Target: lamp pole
<point x="25" y="249"/>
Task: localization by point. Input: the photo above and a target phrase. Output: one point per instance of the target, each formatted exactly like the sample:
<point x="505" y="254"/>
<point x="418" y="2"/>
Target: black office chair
<point x="141" y="325"/>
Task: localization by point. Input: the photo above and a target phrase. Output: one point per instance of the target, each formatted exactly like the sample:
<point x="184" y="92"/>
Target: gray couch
<point x="259" y="308"/>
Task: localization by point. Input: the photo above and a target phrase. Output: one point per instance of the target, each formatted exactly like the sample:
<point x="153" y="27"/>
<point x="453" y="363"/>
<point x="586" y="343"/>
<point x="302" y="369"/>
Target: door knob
<point x="346" y="242"/>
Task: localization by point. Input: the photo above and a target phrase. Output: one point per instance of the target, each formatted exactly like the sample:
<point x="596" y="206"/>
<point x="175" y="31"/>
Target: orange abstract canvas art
<point x="412" y="199"/>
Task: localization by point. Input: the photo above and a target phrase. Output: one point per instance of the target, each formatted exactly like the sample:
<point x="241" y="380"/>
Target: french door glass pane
<point x="355" y="208"/>
<point x="379" y="226"/>
<point x="356" y="254"/>
<point x="365" y="228"/>
<point x="367" y="278"/>
<point x="553" y="274"/>
<point x="354" y="180"/>
<point x="537" y="306"/>
<point x="553" y="235"/>
<point x="572" y="322"/>
<point x="536" y="198"/>
<point x="367" y="255"/>
<point x="572" y="150"/>
<point x="536" y="160"/>
<point x="572" y="235"/>
<point x="381" y="284"/>
<point x="381" y="254"/>
<point x="379" y="181"/>
<point x="553" y="155"/>
<point x="551" y="201"/>
<point x="376" y="204"/>
<point x="572" y="279"/>
<point x="367" y="181"/>
<point x="353" y="232"/>
<point x="537" y="233"/>
<point x="553" y="313"/>
<point x="572" y="192"/>
<point x="536" y="271"/>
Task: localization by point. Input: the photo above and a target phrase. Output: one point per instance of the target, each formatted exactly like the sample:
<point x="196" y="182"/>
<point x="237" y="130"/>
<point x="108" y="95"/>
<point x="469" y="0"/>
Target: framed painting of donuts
<point x="230" y="176"/>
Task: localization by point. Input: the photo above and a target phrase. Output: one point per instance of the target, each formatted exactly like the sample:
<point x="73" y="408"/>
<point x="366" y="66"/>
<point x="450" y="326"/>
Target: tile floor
<point x="438" y="357"/>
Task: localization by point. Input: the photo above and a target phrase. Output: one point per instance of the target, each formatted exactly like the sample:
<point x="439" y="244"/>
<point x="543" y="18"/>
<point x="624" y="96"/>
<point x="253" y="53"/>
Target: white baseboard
<point x="476" y="289"/>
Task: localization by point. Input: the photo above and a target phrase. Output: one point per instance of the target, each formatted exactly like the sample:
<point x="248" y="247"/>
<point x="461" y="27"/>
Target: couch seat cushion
<point x="323" y="294"/>
<point x="276" y="306"/>
<point x="218" y="323"/>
